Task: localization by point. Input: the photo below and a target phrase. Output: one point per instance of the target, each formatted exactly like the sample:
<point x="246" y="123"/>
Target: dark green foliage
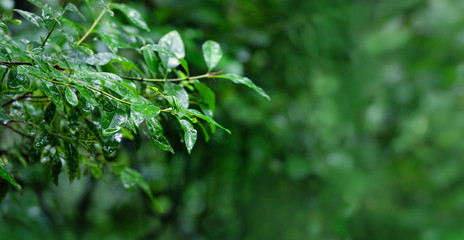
<point x="73" y="96"/>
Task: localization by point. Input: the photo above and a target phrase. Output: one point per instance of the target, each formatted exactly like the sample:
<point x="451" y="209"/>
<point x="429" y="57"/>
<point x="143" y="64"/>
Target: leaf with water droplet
<point x="111" y="144"/>
<point x="53" y="93"/>
<point x="141" y="109"/>
<point x="4" y="119"/>
<point x="71" y="97"/>
<point x="72" y="159"/>
<point x="179" y="92"/>
<point x="156" y="134"/>
<point x="72" y="8"/>
<point x="15" y="80"/>
<point x="87" y="95"/>
<point x="113" y="121"/>
<point x="173" y="42"/>
<point x="31" y="17"/>
<point x="190" y="134"/>
<point x="212" y="53"/>
<point x="133" y="15"/>
<point x="245" y="81"/>
<point x="104" y="5"/>
<point x="55" y="168"/>
<point x="131" y="178"/>
<point x="41" y="140"/>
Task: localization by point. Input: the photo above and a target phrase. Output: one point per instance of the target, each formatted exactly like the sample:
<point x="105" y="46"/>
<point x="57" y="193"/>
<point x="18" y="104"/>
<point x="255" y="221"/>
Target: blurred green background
<point x="363" y="138"/>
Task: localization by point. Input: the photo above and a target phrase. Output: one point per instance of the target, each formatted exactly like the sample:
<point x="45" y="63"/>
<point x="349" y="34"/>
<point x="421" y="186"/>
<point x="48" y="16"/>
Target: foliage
<point x="75" y="93"/>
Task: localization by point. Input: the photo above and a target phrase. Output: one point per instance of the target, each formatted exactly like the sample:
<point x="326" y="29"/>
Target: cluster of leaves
<point x="76" y="98"/>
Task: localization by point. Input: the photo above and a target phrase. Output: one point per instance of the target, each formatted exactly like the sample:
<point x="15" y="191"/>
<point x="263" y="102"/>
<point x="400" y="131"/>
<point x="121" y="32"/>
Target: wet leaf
<point x="53" y="93"/>
<point x="179" y="92"/>
<point x="245" y="81"/>
<point x="212" y="53"/>
<point x="105" y="6"/>
<point x="72" y="159"/>
<point x="198" y="114"/>
<point x="41" y="140"/>
<point x="142" y="109"/>
<point x="112" y="122"/>
<point x="55" y="168"/>
<point x="209" y="98"/>
<point x="71" y="97"/>
<point x="190" y="134"/>
<point x="132" y="14"/>
<point x="156" y="134"/>
<point x="15" y="80"/>
<point x="5" y="175"/>
<point x="31" y="17"/>
<point x="111" y="144"/>
<point x="173" y="42"/>
<point x="49" y="113"/>
<point x="131" y="178"/>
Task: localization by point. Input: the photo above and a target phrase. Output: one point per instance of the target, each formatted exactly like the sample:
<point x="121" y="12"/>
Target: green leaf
<point x="179" y="92"/>
<point x="15" y="80"/>
<point x="49" y="113"/>
<point x="142" y="109"/>
<point x="72" y="160"/>
<point x="104" y="5"/>
<point x="245" y="81"/>
<point x="133" y="15"/>
<point x="151" y="60"/>
<point x="4" y="118"/>
<point x="212" y="53"/>
<point x="5" y="175"/>
<point x="72" y="8"/>
<point x="198" y="114"/>
<point x="71" y="97"/>
<point x="111" y="144"/>
<point x="87" y="95"/>
<point x="112" y="122"/>
<point x="54" y="94"/>
<point x="131" y="178"/>
<point x="208" y="105"/>
<point x="55" y="168"/>
<point x="31" y="17"/>
<point x="41" y="140"/>
<point x="156" y="133"/>
<point x="190" y="134"/>
<point x="173" y="42"/>
<point x="101" y="59"/>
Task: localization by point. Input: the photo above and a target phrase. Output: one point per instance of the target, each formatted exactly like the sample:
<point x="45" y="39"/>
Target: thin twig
<point x="92" y="27"/>
<point x="53" y="27"/>
<point x="15" y="99"/>
<point x="18" y="132"/>
<point x="207" y="75"/>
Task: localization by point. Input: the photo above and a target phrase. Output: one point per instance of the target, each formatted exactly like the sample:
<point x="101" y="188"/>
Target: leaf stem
<point x="109" y="95"/>
<point x="206" y="75"/>
<point x="53" y="27"/>
<point x="92" y="27"/>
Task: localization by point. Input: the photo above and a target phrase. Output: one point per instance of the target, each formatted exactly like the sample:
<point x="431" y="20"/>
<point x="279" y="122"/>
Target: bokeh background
<point x="363" y="137"/>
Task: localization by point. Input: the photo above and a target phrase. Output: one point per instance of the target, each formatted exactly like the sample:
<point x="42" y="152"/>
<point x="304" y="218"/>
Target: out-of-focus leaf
<point x="173" y="42"/>
<point x="55" y="168"/>
<point x="190" y="134"/>
<point x="49" y="113"/>
<point x="132" y="14"/>
<point x="245" y="81"/>
<point x="212" y="53"/>
<point x="15" y="80"/>
<point x="72" y="8"/>
<point x="156" y="134"/>
<point x="31" y="17"/>
<point x="131" y="178"/>
<point x="71" y="97"/>
<point x="42" y="139"/>
<point x="72" y="159"/>
<point x="105" y="6"/>
<point x="5" y="175"/>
